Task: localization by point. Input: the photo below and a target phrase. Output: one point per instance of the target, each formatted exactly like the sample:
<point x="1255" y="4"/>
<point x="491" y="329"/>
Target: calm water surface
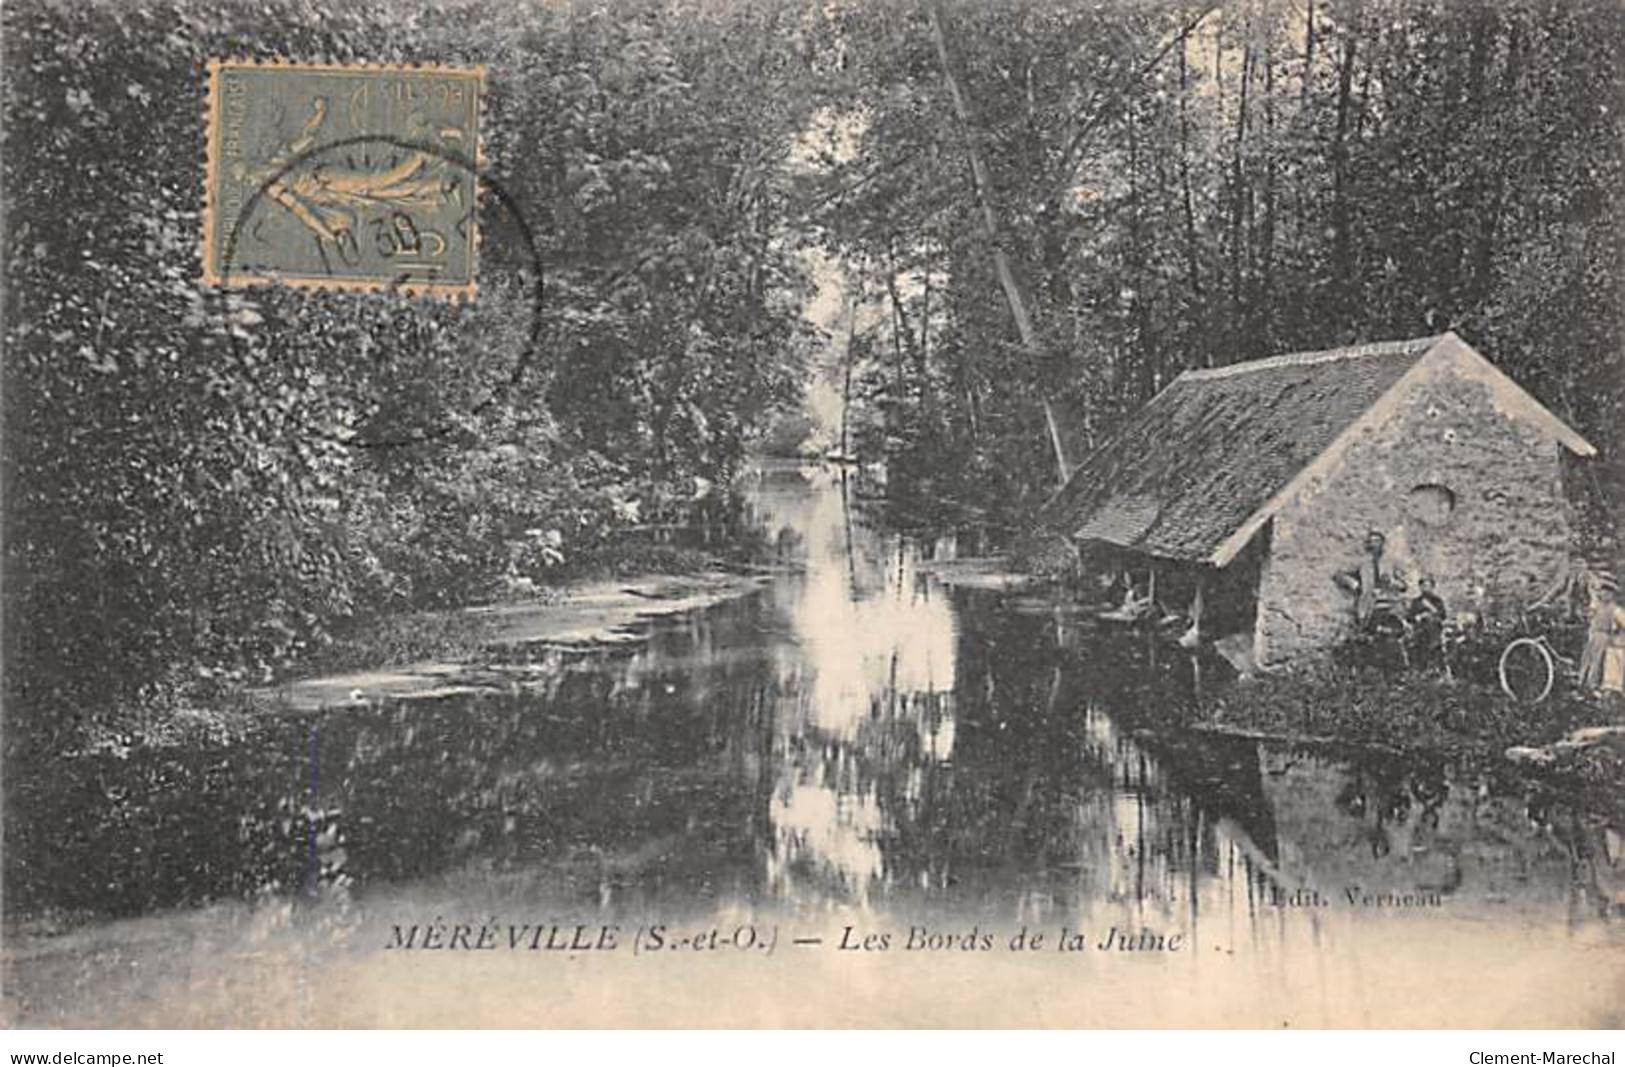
<point x="854" y="747"/>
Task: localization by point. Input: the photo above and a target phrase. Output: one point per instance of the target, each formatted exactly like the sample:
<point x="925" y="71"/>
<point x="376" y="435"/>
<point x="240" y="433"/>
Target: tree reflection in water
<point x="854" y="736"/>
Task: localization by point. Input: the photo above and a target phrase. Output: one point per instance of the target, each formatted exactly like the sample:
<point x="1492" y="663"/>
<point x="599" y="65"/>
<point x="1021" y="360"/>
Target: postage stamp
<point x="342" y="176"/>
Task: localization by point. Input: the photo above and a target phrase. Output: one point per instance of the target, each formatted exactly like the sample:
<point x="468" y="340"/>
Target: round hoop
<point x="1543" y="655"/>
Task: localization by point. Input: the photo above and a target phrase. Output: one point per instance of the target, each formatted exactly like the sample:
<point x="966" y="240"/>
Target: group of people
<point x="1380" y="609"/>
<point x="1381" y="612"/>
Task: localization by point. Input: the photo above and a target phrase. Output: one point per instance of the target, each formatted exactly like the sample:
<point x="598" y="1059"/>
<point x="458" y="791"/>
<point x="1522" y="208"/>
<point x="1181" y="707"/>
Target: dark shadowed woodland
<point x="693" y="572"/>
<point x="1051" y="208"/>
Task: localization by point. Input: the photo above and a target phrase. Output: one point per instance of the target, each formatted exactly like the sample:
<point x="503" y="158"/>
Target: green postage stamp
<point x="342" y="176"/>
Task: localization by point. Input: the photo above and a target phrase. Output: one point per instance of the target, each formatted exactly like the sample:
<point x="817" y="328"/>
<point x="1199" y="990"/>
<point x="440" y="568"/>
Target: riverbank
<point x="1329" y="702"/>
<point x="473" y="650"/>
<point x="1402" y="711"/>
<point x="1573" y="740"/>
<point x="1570" y="735"/>
<point x="852" y="729"/>
<point x="428" y="655"/>
<point x="978" y="572"/>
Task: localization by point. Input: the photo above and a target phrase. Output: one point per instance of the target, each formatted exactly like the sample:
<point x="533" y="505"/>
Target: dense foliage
<point x="198" y="489"/>
<point x="1042" y="211"/>
<point x="1180" y="184"/>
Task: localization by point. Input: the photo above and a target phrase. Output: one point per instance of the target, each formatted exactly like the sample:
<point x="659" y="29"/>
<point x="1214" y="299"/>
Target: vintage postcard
<point x="856" y="513"/>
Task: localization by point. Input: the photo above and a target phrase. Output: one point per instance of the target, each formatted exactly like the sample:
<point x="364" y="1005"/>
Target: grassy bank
<point x="408" y="637"/>
<point x="597" y="596"/>
<point x="1402" y="711"/>
<point x="1424" y="713"/>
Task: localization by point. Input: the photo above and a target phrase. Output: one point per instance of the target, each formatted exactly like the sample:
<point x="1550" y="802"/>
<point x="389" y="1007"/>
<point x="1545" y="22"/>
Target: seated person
<point x="1426" y="617"/>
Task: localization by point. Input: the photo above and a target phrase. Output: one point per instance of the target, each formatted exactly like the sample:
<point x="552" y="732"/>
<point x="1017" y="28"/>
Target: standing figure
<point x="1426" y="617"/>
<point x="1602" y="665"/>
<point x="1376" y="596"/>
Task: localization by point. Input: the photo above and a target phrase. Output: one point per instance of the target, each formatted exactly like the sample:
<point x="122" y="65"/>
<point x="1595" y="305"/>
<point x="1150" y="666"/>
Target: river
<point x="913" y="781"/>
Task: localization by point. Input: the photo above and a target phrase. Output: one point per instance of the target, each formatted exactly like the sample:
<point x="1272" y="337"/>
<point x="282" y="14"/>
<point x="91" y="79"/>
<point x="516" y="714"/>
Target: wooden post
<point x="1192" y="637"/>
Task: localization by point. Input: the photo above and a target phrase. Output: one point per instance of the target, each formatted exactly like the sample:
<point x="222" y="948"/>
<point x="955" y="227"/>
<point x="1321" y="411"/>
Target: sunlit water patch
<point x="851" y="752"/>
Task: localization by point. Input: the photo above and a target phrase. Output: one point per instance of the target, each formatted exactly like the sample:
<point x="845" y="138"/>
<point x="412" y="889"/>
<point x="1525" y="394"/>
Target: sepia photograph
<point x="817" y="514"/>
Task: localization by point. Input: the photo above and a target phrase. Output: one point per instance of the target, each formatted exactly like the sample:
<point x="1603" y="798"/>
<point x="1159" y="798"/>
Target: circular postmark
<point x="506" y="242"/>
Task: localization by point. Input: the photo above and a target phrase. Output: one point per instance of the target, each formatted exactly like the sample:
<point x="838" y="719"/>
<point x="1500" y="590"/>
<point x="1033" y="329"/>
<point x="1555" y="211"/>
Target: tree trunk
<point x="908" y="343"/>
<point x="899" y="330"/>
<point x="925" y="328"/>
<point x="1239" y="312"/>
<point x="1489" y="220"/>
<point x="1144" y="372"/>
<point x="1192" y="248"/>
<point x="1342" y="245"/>
<point x="903" y="335"/>
<point x="1265" y="302"/>
<point x="990" y="231"/>
<point x="846" y="386"/>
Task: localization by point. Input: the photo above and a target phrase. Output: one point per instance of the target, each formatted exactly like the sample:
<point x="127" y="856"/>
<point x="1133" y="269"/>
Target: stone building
<point x="1252" y="486"/>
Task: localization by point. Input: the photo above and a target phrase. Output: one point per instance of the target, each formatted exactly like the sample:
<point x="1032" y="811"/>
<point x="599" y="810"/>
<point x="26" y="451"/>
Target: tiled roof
<point x="1212" y="448"/>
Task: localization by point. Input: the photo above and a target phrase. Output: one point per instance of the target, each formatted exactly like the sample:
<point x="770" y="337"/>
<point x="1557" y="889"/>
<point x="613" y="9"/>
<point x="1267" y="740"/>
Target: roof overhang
<point x="1141" y="550"/>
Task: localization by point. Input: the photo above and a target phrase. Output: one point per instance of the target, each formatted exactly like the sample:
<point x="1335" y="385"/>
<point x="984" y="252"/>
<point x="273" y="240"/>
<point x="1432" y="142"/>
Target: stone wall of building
<point x="1462" y="493"/>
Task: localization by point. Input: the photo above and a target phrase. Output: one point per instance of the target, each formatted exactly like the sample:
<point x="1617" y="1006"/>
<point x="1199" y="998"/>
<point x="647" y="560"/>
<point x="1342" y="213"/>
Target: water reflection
<point x="869" y="674"/>
<point x="855" y="737"/>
